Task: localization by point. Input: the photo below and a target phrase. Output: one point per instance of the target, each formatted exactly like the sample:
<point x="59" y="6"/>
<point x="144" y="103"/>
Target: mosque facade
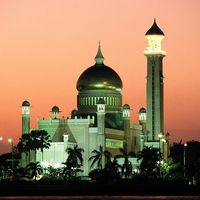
<point x="101" y="119"/>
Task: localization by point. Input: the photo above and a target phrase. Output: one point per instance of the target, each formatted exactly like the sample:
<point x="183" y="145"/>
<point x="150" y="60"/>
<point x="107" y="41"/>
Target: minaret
<point x="126" y="117"/>
<point x="101" y="140"/>
<point x="154" y="88"/>
<point x="25" y="117"/>
<point x="142" y="114"/>
<point x="101" y="122"/>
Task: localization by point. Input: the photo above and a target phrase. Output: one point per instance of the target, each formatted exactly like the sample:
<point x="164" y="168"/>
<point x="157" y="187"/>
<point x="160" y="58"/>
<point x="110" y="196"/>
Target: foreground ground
<point x="123" y="188"/>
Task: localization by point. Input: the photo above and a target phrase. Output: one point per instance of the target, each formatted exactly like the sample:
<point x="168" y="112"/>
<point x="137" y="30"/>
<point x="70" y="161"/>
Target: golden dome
<point x="98" y="77"/>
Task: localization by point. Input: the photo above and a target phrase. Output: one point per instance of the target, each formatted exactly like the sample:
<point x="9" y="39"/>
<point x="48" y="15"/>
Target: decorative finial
<point x="99" y="57"/>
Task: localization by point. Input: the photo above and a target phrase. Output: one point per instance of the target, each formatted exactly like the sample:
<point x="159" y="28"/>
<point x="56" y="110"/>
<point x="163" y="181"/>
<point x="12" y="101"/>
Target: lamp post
<point x="184" y="163"/>
<point x="11" y="142"/>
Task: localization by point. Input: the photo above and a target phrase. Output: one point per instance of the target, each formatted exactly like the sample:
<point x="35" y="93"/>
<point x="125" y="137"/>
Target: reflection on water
<point x="99" y="197"/>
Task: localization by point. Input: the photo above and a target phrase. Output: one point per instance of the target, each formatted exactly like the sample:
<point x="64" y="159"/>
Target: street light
<point x="11" y="142"/>
<point x="184" y="166"/>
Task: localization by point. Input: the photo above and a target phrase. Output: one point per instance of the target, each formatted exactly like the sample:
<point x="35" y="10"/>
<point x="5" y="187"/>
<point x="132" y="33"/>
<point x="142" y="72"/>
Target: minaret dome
<point x="154" y="30"/>
<point x="154" y="36"/>
<point x="25" y="103"/>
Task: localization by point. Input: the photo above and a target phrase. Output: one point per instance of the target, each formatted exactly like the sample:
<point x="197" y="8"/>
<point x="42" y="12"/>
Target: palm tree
<point x="40" y="140"/>
<point x="74" y="161"/>
<point x="99" y="156"/>
<point x="113" y="166"/>
<point x="34" y="170"/>
<point x="126" y="166"/>
<point x="25" y="145"/>
<point x="75" y="155"/>
<point x="150" y="157"/>
<point x="177" y="151"/>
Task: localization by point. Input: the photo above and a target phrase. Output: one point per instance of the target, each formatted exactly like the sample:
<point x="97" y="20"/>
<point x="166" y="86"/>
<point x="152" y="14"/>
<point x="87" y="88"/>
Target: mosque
<point x="101" y="119"/>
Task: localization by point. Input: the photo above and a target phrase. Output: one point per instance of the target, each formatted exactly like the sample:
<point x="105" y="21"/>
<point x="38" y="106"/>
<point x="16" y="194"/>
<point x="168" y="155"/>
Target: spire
<point x="99" y="57"/>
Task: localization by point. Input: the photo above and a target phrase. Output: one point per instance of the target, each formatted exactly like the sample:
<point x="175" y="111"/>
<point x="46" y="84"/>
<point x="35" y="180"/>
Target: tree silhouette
<point x="126" y="166"/>
<point x="74" y="162"/>
<point x="193" y="161"/>
<point x="34" y="170"/>
<point x="149" y="158"/>
<point x="98" y="157"/>
<point x="177" y="155"/>
<point x="25" y="145"/>
<point x="40" y="140"/>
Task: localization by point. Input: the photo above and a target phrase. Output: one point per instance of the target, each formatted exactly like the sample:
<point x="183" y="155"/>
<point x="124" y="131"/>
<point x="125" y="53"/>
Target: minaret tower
<point x="101" y="140"/>
<point x="154" y="88"/>
<point x="101" y="122"/>
<point x="25" y="117"/>
<point x="126" y="117"/>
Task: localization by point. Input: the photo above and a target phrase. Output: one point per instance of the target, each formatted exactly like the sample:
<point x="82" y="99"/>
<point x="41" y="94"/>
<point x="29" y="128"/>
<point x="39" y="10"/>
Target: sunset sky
<point x="46" y="44"/>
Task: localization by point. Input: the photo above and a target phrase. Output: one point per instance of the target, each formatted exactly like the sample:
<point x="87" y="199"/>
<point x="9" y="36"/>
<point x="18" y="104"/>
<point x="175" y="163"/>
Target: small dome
<point x="25" y="103"/>
<point x="55" y="109"/>
<point x="101" y="101"/>
<point x="73" y="112"/>
<point x="154" y="30"/>
<point x="142" y="110"/>
<point x="126" y="106"/>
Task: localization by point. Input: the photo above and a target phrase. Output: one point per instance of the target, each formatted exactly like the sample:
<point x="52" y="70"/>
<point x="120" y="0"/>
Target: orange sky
<point x="46" y="44"/>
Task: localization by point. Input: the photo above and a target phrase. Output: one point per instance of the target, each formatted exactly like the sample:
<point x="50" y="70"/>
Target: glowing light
<point x="10" y="140"/>
<point x="160" y="162"/>
<point x="37" y="178"/>
<point x="163" y="140"/>
<point x="142" y="116"/>
<point x="136" y="171"/>
<point x="99" y="85"/>
<point x="154" y="45"/>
